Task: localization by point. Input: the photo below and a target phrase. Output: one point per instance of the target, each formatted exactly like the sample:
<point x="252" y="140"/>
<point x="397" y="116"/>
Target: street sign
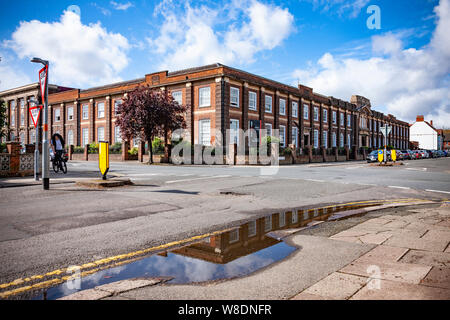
<point x="380" y="155"/>
<point x="386" y="130"/>
<point x="35" y="112"/>
<point x="103" y="158"/>
<point x="43" y="80"/>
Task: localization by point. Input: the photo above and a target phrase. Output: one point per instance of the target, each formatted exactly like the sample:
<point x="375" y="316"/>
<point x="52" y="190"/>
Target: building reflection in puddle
<point x="234" y="253"/>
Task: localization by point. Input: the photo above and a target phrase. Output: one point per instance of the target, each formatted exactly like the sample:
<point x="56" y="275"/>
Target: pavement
<point x="42" y="231"/>
<point x="401" y="253"/>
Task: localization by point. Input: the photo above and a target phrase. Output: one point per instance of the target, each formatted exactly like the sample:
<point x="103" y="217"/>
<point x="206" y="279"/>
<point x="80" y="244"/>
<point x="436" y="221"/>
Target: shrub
<point x="2" y="147"/>
<point x="78" y="150"/>
<point x="93" y="147"/>
<point x="133" y="151"/>
<point x="158" y="146"/>
<point x="116" y="148"/>
<point x="286" y="151"/>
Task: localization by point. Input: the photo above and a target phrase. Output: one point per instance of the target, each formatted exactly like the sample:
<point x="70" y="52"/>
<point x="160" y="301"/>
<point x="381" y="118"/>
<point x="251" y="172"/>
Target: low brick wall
<point x="316" y="159"/>
<point x="342" y="158"/>
<point x="302" y="159"/>
<point x="15" y="164"/>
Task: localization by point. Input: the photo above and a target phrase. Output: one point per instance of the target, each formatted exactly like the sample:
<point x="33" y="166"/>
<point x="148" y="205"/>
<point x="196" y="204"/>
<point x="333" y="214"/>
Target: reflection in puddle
<point x="235" y="253"/>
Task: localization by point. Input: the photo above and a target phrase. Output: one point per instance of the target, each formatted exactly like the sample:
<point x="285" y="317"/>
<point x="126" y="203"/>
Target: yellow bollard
<point x="103" y="158"/>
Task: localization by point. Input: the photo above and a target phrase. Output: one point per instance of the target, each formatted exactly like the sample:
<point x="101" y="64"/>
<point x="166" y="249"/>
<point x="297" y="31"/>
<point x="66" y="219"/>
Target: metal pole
<point x="385" y="147"/>
<point x="45" y="152"/>
<point x="36" y="155"/>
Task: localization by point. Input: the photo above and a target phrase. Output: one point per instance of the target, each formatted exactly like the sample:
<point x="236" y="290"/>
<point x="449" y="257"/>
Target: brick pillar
<point x="141" y="151"/>
<point x="14" y="160"/>
<point x="50" y="120"/>
<point x="91" y="120"/>
<point x="289" y="120"/>
<point x="262" y="106"/>
<point x="245" y="112"/>
<point x="336" y="153"/>
<point x="225" y="123"/>
<point x="63" y="120"/>
<point x="301" y="124"/>
<point x="86" y="152"/>
<point x="320" y="126"/>
<point x="276" y="110"/>
<point x="108" y="119"/>
<point x="71" y="147"/>
<point x="76" y="127"/>
<point x="310" y="152"/>
<point x="324" y="154"/>
<point x="190" y="111"/>
<point x="125" y="148"/>
<point x="347" y="153"/>
<point x="219" y="112"/>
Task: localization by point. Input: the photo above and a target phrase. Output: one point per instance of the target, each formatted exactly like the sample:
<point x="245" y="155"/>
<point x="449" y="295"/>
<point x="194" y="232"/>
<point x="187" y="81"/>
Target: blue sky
<point x="402" y="67"/>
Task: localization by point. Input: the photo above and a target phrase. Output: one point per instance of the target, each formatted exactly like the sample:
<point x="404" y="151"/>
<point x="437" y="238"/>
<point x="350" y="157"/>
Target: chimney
<point x="419" y="118"/>
<point x="431" y="122"/>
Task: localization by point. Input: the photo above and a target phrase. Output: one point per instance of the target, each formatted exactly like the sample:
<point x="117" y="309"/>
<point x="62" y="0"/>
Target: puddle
<point x="236" y="253"/>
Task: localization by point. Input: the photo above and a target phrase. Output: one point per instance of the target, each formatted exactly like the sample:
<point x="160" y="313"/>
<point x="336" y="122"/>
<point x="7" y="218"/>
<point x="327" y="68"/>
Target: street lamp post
<point x="45" y="151"/>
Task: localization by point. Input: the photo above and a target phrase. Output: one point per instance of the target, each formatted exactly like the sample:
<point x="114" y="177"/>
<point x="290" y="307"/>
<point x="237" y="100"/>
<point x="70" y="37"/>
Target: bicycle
<point x="59" y="163"/>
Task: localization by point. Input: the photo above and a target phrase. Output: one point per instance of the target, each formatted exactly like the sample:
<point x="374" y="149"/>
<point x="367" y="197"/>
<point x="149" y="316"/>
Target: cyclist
<point x="57" y="145"/>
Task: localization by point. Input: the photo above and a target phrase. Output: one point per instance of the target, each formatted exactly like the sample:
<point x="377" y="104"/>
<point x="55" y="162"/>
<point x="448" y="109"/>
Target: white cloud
<point x="352" y="8"/>
<point x="79" y="55"/>
<point x="121" y="6"/>
<point x="10" y="74"/>
<point x="403" y="81"/>
<point x="190" y="36"/>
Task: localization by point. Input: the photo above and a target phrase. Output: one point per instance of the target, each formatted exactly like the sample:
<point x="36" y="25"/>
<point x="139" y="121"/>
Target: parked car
<point x="429" y="154"/>
<point x="441" y="153"/>
<point x="400" y="155"/>
<point x="445" y="152"/>
<point x="372" y="157"/>
<point x="417" y="154"/>
<point x="406" y="155"/>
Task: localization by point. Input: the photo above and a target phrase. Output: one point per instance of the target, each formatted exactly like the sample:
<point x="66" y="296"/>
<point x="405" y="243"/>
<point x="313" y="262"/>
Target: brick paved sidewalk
<point x="411" y="260"/>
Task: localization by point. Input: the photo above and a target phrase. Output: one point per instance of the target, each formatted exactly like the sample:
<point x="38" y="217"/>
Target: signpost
<point x="35" y="112"/>
<point x="385" y="131"/>
<point x="103" y="158"/>
<point x="380" y="156"/>
<point x="43" y="82"/>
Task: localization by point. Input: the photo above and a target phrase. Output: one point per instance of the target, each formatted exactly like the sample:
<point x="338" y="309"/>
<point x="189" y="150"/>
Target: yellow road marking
<point x="96" y="265"/>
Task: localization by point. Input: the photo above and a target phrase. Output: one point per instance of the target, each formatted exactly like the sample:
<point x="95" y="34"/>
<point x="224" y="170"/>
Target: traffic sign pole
<point x="43" y="78"/>
<point x="35" y="112"/>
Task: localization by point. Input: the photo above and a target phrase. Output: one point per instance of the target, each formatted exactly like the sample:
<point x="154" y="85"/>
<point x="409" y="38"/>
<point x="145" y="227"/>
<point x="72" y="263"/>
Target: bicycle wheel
<point x="55" y="165"/>
<point x="64" y="167"/>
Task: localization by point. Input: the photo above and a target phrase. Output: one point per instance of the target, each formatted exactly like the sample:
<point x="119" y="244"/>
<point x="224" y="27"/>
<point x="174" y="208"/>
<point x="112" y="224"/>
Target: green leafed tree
<point x="3" y="120"/>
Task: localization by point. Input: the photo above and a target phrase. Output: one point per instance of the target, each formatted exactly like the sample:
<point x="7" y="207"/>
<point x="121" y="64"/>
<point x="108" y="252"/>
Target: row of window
<point x="100" y="135"/>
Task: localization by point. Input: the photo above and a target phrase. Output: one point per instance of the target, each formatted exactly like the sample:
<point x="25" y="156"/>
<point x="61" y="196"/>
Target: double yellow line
<point x="128" y="257"/>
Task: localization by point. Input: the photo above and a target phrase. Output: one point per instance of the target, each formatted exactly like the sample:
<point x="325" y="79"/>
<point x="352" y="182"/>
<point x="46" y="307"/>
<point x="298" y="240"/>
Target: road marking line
<point x="315" y="180"/>
<point x="397" y="187"/>
<point x="203" y="178"/>
<point x="440" y="191"/>
<point x="367" y="184"/>
<point x="417" y="169"/>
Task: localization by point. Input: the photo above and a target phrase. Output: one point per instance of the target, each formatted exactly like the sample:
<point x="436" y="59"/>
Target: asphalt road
<point x="41" y="231"/>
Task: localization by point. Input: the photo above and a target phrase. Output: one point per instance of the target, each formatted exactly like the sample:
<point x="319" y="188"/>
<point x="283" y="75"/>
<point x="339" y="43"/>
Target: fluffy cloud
<point x="403" y="81"/>
<point x="79" y="55"/>
<point x="190" y="36"/>
<point x="121" y="6"/>
<point x="352" y="8"/>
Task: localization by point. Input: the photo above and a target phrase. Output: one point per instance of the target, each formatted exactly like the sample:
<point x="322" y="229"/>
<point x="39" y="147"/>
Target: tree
<point x="146" y="113"/>
<point x="3" y="119"/>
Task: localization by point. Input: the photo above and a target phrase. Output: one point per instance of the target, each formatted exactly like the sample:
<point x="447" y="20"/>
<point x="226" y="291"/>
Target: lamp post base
<point x="46" y="183"/>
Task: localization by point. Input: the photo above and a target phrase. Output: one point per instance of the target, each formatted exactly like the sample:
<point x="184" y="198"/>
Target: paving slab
<point x="395" y="271"/>
<point x="384" y="253"/>
<point x="90" y="294"/>
<point x="337" y="286"/>
<point x="308" y="296"/>
<point x="428" y="258"/>
<point x="127" y="285"/>
<point x="393" y="290"/>
<point x="410" y="241"/>
<point x="438" y="277"/>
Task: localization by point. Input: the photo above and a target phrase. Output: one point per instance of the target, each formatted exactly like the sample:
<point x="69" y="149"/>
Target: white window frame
<point x="57" y="115"/>
<point x="316" y="114"/>
<point x="70" y="113"/>
<point x="266" y="126"/>
<point x="342" y="119"/>
<point x="84" y="136"/>
<point x="268" y="99"/>
<point x="334" y="117"/>
<point x="316" y="138"/>
<point x="349" y="120"/>
<point x="100" y="112"/>
<point x="234" y="132"/>
<point x="85" y="112"/>
<point x="201" y="134"/>
<point x="253" y="224"/>
<point x="282" y="219"/>
<point x="267" y="223"/>
<point x="333" y="140"/>
<point x="234" y="97"/>
<point x="294" y="109"/>
<point x="117" y="102"/>
<point x="98" y="134"/>
<point x="325" y="115"/>
<point x="233" y="236"/>
<point x="305" y="111"/>
<point x="117" y="135"/>
<point x="22" y="112"/>
<point x="295" y="136"/>
<point x="341" y="140"/>
<point x="70" y="137"/>
<point x="294" y="217"/>
<point x="204" y="97"/>
<point x="177" y="95"/>
<point x="282" y="135"/>
<point x="325" y="138"/>
<point x="282" y="109"/>
<point x="349" y="138"/>
<point x="252" y="100"/>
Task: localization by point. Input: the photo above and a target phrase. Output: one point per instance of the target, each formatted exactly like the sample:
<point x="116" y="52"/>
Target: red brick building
<point x="220" y="98"/>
